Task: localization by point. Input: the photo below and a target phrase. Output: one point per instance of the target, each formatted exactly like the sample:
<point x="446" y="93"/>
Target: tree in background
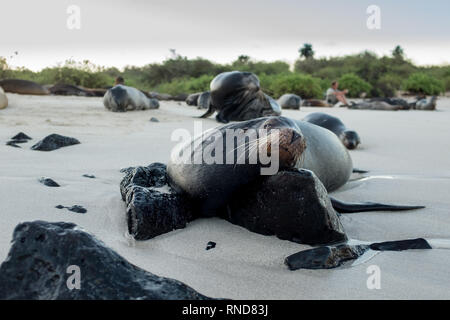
<point x="398" y="53"/>
<point x="306" y="51"/>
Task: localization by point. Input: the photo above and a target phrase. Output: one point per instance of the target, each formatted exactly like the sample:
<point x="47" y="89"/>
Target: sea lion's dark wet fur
<point x="237" y="96"/>
<point x="349" y="138"/>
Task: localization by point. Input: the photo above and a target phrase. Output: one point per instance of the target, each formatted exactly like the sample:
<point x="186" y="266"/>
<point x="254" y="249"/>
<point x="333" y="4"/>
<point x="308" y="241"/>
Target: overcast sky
<point x="138" y="32"/>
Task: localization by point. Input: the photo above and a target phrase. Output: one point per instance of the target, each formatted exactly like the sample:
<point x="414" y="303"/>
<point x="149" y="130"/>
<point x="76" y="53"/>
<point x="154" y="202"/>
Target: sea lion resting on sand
<point x="192" y="99"/>
<point x="402" y="103"/>
<point x="349" y="138"/>
<point x="301" y="145"/>
<point x="3" y="99"/>
<point x="316" y="103"/>
<point x="62" y="89"/>
<point x="424" y="104"/>
<point x="23" y="87"/>
<point x="290" y="101"/>
<point x="122" y="98"/>
<point x="375" y="105"/>
<point x="237" y="96"/>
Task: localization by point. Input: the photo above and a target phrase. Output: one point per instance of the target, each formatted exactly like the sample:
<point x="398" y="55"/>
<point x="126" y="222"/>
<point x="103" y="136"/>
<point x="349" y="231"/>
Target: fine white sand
<point x="407" y="153"/>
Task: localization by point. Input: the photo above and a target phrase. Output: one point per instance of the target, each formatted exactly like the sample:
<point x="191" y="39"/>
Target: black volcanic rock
<point x="53" y="142"/>
<point x="13" y="144"/>
<point x="21" y="136"/>
<point x="75" y="208"/>
<point x="90" y="176"/>
<point x="49" y="182"/>
<point x="292" y="205"/>
<point x="401" y="245"/>
<point x="325" y="257"/>
<point x="153" y="207"/>
<point x="41" y="252"/>
<point x="210" y="245"/>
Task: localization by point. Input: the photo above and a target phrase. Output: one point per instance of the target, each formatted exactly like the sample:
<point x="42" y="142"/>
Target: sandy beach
<point x="406" y="152"/>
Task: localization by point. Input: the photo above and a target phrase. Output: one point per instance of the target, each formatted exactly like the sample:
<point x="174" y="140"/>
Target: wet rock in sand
<point x="53" y="142"/>
<point x="49" y="182"/>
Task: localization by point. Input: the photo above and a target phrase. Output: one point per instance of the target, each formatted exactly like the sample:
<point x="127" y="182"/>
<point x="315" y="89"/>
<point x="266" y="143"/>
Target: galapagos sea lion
<point x="3" y="99"/>
<point x="349" y="138"/>
<point x="23" y="87"/>
<point x="192" y="99"/>
<point x="204" y="100"/>
<point x="375" y="105"/>
<point x="290" y="101"/>
<point x="237" y="96"/>
<point x="316" y="103"/>
<point x="425" y="104"/>
<point x="212" y="184"/>
<point x="404" y="105"/>
<point x="62" y="89"/>
<point x="122" y="98"/>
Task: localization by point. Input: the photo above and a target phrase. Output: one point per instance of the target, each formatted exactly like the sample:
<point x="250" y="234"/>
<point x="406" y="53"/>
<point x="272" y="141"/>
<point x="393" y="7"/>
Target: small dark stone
<point x="13" y="144"/>
<point x="75" y="208"/>
<point x="153" y="207"/>
<point x="90" y="176"/>
<point x="210" y="245"/>
<point x="324" y="257"/>
<point x="37" y="269"/>
<point x="48" y="182"/>
<point x="153" y="119"/>
<point x="401" y="245"/>
<point x="21" y="136"/>
<point x="53" y="142"/>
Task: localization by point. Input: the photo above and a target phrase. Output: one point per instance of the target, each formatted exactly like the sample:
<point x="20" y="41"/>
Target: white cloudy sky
<point x="137" y="32"/>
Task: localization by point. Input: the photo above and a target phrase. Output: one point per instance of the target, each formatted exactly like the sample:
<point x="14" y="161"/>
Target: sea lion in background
<point x="290" y="101"/>
<point x="349" y="138"/>
<point x="375" y="105"/>
<point x="3" y="99"/>
<point x="204" y="100"/>
<point x="62" y="89"/>
<point x="192" y="99"/>
<point x="237" y="96"/>
<point x="122" y="98"/>
<point x="316" y="103"/>
<point x="23" y="87"/>
<point x="301" y="145"/>
<point x="425" y="104"/>
<point x="394" y="101"/>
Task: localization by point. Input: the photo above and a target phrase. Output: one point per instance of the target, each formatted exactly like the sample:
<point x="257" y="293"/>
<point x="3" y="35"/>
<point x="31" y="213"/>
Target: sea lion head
<point x="291" y="142"/>
<point x="350" y="139"/>
<point x="119" y="97"/>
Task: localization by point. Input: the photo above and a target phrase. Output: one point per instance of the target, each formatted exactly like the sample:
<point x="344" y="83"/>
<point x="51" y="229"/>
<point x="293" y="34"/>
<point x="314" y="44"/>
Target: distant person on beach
<point x="334" y="95"/>
<point x="119" y="80"/>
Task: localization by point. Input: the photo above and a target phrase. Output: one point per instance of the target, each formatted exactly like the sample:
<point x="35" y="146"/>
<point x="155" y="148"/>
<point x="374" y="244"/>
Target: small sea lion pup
<point x="290" y="101"/>
<point x="122" y="98"/>
<point x="192" y="99"/>
<point x="3" y="99"/>
<point x="23" y="87"/>
<point x="237" y="96"/>
<point x="212" y="168"/>
<point x="349" y="138"/>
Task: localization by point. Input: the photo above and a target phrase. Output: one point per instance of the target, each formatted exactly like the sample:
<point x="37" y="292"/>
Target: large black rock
<point x="153" y="207"/>
<point x="37" y="264"/>
<point x="53" y="142"/>
<point x="292" y="205"/>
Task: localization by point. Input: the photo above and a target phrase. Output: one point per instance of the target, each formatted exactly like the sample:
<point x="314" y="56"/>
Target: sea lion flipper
<point x="209" y="112"/>
<point x="346" y="207"/>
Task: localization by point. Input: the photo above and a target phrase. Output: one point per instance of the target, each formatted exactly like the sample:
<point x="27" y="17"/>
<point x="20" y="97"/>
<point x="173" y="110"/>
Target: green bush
<point x="420" y="83"/>
<point x="305" y="86"/>
<point x="387" y="85"/>
<point x="354" y="84"/>
<point x="185" y="85"/>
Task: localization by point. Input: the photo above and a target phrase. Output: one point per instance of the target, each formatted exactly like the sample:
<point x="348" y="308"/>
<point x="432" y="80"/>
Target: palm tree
<point x="306" y="51"/>
<point x="398" y="53"/>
